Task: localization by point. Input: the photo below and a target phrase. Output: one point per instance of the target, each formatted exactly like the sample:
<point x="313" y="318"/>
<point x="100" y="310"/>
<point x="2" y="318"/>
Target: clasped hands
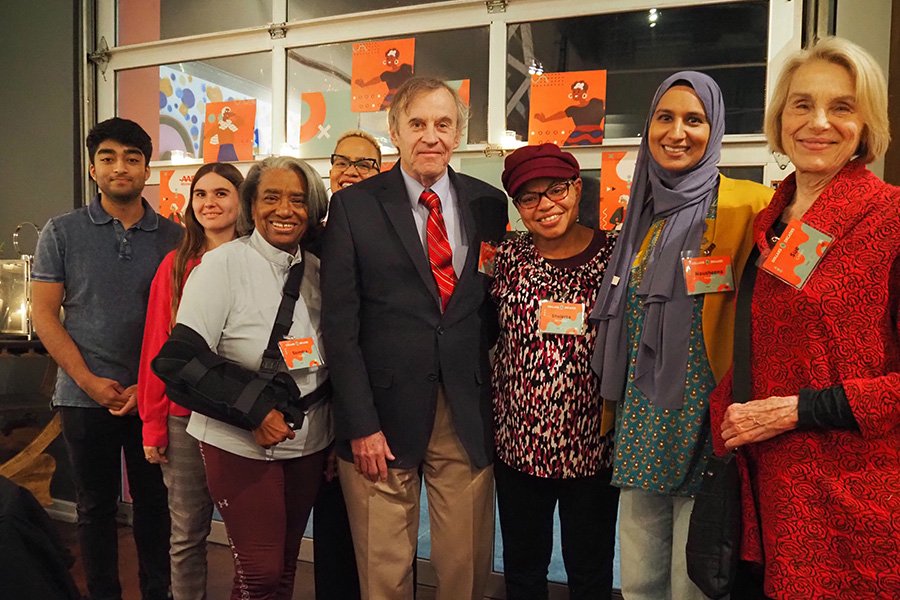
<point x="112" y="395"/>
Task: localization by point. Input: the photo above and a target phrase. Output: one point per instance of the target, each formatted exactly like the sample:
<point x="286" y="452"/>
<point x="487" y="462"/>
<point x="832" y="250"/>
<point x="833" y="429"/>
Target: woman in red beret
<point x="551" y="449"/>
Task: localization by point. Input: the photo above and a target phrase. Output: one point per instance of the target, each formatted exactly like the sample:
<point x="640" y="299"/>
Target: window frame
<point x="785" y="31"/>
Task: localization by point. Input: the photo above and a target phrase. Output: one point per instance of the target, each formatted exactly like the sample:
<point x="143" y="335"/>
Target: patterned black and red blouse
<point x="823" y="511"/>
<point x="547" y="405"/>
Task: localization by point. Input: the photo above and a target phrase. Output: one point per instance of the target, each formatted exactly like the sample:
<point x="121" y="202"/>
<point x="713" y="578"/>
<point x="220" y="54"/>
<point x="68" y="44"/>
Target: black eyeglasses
<point x="363" y="165"/>
<point x="556" y="193"/>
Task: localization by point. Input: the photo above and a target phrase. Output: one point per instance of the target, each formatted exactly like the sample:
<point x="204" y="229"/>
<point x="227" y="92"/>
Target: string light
<point x="535" y="68"/>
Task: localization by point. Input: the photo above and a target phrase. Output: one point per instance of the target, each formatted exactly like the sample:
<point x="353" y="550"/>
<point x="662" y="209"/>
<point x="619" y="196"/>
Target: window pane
<point x="170" y="102"/>
<point x="748" y="173"/>
<point x="638" y="50"/>
<point x="299" y="10"/>
<point x="150" y="20"/>
<point x="324" y="72"/>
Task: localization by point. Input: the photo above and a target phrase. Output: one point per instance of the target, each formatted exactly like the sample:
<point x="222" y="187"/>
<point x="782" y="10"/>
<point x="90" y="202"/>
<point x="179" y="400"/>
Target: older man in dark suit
<point x="407" y="325"/>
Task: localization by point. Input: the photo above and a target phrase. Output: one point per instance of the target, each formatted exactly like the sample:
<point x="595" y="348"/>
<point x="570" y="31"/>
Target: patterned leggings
<point x="265" y="506"/>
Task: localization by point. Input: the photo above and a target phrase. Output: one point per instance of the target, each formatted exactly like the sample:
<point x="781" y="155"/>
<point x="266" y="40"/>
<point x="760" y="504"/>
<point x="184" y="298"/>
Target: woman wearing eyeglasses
<point x="550" y="449"/>
<point x="356" y="157"/>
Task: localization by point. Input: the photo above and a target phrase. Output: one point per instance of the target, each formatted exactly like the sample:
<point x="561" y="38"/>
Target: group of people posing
<point x="617" y="370"/>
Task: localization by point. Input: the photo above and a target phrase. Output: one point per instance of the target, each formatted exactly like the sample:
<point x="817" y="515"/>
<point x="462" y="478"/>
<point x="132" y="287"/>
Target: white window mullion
<point x="785" y="37"/>
<point x="279" y="11"/>
<point x="106" y="81"/>
<point x="496" y="114"/>
<point x="279" y="81"/>
<point x="279" y="96"/>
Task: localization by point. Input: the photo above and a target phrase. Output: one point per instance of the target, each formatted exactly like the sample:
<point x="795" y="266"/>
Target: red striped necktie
<point x="439" y="253"/>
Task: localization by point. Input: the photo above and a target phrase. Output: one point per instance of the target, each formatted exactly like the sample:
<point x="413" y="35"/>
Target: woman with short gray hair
<point x="265" y="481"/>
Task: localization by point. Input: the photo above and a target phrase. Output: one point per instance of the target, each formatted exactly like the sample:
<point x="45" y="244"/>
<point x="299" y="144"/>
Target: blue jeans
<point x="94" y="439"/>
<point x="652" y="537"/>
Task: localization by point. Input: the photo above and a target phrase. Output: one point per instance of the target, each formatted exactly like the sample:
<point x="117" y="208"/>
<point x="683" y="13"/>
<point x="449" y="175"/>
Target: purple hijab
<point x="683" y="199"/>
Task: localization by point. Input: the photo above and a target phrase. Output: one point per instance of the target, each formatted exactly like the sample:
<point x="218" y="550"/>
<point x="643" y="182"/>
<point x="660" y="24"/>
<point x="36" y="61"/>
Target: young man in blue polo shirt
<point x="97" y="263"/>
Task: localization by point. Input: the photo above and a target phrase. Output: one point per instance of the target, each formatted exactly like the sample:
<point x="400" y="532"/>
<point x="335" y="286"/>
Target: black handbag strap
<point x="284" y="318"/>
<point x="742" y="322"/>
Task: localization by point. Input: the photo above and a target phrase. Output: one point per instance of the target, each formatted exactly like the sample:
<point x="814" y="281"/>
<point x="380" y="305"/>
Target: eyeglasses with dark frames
<point x="363" y="165"/>
<point x="556" y="192"/>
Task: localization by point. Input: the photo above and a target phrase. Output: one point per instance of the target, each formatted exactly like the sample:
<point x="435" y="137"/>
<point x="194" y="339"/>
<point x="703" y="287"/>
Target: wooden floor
<point x="221" y="569"/>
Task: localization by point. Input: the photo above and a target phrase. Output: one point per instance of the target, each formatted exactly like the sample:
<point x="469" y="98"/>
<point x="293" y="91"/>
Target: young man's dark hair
<point x="120" y="130"/>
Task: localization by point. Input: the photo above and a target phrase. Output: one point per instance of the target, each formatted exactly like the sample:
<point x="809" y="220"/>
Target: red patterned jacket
<point x="822" y="510"/>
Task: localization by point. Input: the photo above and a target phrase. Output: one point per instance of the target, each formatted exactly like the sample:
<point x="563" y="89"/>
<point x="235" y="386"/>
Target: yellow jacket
<point x="731" y="231"/>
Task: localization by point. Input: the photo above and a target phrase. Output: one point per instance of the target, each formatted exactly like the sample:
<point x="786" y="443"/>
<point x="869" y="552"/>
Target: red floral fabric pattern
<point x="822" y="508"/>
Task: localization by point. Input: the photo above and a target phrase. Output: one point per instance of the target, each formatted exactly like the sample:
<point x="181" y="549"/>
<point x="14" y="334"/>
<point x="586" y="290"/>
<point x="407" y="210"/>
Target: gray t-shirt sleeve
<point x="49" y="257"/>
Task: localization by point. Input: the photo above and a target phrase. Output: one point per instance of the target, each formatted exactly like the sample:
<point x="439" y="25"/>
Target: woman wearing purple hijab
<point x="662" y="347"/>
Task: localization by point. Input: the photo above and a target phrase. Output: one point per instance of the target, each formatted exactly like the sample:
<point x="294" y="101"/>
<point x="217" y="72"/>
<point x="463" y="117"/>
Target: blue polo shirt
<point x="106" y="271"/>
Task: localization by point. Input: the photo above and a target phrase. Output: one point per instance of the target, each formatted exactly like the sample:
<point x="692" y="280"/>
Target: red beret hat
<point x="534" y="162"/>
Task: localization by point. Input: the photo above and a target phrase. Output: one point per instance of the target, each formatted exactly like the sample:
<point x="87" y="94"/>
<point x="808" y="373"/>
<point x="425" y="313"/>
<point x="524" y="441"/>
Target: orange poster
<point x="174" y="189"/>
<point x="228" y="131"/>
<point x="615" y="187"/>
<point x="379" y="68"/>
<point x="567" y="109"/>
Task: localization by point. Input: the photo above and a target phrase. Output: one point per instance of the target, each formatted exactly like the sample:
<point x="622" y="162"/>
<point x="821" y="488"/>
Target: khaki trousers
<point x="384" y="519"/>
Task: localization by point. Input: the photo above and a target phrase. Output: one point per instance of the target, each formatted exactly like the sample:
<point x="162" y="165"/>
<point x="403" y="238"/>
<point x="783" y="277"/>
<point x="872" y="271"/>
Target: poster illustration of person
<point x="228" y="131"/>
<point x="616" y="170"/>
<point x="174" y="188"/>
<point x="567" y="109"/>
<point x="378" y="69"/>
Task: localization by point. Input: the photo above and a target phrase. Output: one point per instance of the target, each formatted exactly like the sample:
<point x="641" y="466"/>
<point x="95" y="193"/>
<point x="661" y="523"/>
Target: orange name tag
<point x="487" y="259"/>
<point x="564" y="318"/>
<point x="708" y="274"/>
<point x="796" y="253"/>
<point x="300" y="353"/>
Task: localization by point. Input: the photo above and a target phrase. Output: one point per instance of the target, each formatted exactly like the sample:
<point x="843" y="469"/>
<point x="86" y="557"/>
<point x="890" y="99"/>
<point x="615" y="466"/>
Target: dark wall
<point x="892" y="160"/>
<point x="38" y="161"/>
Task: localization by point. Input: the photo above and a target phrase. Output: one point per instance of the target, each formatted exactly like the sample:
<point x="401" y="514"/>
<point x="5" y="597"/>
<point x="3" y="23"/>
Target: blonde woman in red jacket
<point x="819" y="437"/>
<point x="211" y="218"/>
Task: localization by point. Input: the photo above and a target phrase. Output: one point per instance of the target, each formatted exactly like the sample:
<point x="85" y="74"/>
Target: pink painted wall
<point x="137" y="90"/>
<point x="138" y="21"/>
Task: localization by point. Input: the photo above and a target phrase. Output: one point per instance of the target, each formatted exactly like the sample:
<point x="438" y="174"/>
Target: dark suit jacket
<point x="387" y="345"/>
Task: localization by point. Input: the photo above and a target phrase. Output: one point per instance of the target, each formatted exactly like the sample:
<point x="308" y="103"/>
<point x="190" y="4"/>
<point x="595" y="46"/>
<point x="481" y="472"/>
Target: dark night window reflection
<point x="727" y="42"/>
<point x="299" y="10"/>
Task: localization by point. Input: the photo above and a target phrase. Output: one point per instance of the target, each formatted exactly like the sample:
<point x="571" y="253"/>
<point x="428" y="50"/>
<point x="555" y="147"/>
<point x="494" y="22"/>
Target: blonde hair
<point x="359" y="133"/>
<point x="871" y="93"/>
